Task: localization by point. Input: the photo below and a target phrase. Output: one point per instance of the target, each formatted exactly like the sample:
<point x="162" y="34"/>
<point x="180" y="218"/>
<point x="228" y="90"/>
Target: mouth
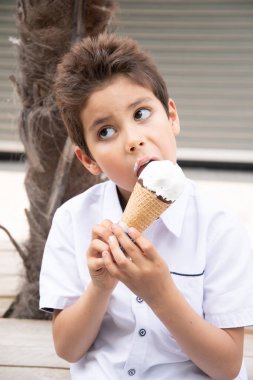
<point x="142" y="163"/>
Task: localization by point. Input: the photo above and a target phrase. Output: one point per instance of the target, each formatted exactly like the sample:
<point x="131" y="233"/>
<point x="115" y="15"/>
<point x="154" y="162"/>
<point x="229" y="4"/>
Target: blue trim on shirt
<point x="188" y="274"/>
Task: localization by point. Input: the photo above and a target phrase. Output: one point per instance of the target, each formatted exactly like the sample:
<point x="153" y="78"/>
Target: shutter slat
<point x="9" y="137"/>
<point x="204" y="50"/>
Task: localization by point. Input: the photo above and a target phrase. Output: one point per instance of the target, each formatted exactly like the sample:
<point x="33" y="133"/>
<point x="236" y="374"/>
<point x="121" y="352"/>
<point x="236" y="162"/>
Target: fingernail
<point x="114" y="226"/>
<point x="112" y="238"/>
<point x="131" y="231"/>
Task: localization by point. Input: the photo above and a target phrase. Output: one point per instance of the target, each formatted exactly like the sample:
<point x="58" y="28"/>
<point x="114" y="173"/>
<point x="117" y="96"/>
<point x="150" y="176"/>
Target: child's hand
<point x="139" y="267"/>
<point x="99" y="243"/>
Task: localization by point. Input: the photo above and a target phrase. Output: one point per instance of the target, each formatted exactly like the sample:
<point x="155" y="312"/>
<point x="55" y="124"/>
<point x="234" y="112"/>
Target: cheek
<point x="167" y="142"/>
<point x="121" y="176"/>
<point x="161" y="130"/>
<point x="110" y="165"/>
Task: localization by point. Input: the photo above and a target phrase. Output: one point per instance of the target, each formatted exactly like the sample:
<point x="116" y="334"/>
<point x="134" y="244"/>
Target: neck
<point x="123" y="197"/>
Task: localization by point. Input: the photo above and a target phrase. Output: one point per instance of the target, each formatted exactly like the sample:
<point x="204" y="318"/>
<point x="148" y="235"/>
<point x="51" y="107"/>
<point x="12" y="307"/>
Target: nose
<point x="135" y="145"/>
<point x="134" y="141"/>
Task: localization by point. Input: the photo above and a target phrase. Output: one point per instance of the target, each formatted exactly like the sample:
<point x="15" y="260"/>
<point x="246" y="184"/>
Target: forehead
<point x="119" y="89"/>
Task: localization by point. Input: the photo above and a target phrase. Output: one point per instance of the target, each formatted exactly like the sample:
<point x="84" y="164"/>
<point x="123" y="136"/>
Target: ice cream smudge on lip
<point x="163" y="178"/>
<point x="159" y="184"/>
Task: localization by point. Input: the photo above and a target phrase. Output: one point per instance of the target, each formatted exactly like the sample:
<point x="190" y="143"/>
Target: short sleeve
<point x="60" y="283"/>
<point x="228" y="279"/>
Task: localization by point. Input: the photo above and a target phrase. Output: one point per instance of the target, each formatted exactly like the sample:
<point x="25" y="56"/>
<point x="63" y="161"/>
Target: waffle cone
<point x="142" y="209"/>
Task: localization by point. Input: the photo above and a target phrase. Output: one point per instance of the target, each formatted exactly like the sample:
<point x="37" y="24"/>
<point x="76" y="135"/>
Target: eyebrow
<point x="138" y="101"/>
<point x="99" y="121"/>
<point x="106" y="119"/>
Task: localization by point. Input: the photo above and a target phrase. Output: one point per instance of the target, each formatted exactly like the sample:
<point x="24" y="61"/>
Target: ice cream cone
<point x="142" y="209"/>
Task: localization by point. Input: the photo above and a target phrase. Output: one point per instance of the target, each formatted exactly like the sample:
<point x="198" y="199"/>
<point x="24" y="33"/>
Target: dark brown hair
<point x="90" y="65"/>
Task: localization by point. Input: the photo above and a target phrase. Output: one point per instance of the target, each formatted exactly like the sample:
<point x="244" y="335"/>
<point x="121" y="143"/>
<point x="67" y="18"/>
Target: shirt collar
<point x="173" y="217"/>
<point x="111" y="206"/>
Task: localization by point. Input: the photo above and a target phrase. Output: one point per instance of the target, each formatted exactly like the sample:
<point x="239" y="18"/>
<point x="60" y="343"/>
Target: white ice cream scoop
<point x="163" y="178"/>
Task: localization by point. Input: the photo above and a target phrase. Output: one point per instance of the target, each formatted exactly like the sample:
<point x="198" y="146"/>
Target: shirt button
<point x="139" y="299"/>
<point x="131" y="372"/>
<point x="142" y="332"/>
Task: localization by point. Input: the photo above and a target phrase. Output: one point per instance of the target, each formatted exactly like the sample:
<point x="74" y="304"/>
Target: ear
<point x="87" y="162"/>
<point x="173" y="117"/>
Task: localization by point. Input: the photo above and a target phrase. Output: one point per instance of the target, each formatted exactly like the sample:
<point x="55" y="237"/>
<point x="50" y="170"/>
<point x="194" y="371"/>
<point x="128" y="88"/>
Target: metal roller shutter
<point x="9" y="138"/>
<point x="204" y="50"/>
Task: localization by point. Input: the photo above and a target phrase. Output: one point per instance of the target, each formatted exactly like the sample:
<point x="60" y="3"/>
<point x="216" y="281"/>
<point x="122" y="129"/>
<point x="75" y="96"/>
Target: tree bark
<point x="47" y="29"/>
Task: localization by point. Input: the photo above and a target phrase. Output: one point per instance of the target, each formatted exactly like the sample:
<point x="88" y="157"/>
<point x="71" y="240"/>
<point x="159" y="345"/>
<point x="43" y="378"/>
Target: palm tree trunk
<point x="47" y="29"/>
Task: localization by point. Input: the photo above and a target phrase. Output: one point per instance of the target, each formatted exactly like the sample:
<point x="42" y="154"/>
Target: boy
<point x="177" y="309"/>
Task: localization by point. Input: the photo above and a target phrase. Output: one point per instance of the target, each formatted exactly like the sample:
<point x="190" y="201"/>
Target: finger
<point x="143" y="243"/>
<point x="97" y="247"/>
<point x="101" y="231"/>
<point x="96" y="264"/>
<point x="110" y="264"/>
<point x="126" y="243"/>
<point x="118" y="255"/>
<point x="107" y="223"/>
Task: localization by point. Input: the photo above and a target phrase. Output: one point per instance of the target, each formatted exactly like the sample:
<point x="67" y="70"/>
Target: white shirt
<point x="208" y="253"/>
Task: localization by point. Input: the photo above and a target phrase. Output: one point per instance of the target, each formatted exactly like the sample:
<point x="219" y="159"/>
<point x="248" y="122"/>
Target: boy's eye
<point x="106" y="133"/>
<point x="142" y="114"/>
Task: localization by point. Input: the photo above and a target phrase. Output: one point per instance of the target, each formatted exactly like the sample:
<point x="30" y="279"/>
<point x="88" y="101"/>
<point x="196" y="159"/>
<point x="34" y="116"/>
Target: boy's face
<point x="125" y="126"/>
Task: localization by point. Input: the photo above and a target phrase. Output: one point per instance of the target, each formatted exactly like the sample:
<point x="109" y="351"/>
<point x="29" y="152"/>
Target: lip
<point x="142" y="162"/>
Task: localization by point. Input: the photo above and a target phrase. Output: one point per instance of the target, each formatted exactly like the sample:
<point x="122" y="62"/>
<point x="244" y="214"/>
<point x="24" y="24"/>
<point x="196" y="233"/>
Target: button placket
<point x="131" y="372"/>
<point x="137" y="353"/>
<point x="142" y="332"/>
